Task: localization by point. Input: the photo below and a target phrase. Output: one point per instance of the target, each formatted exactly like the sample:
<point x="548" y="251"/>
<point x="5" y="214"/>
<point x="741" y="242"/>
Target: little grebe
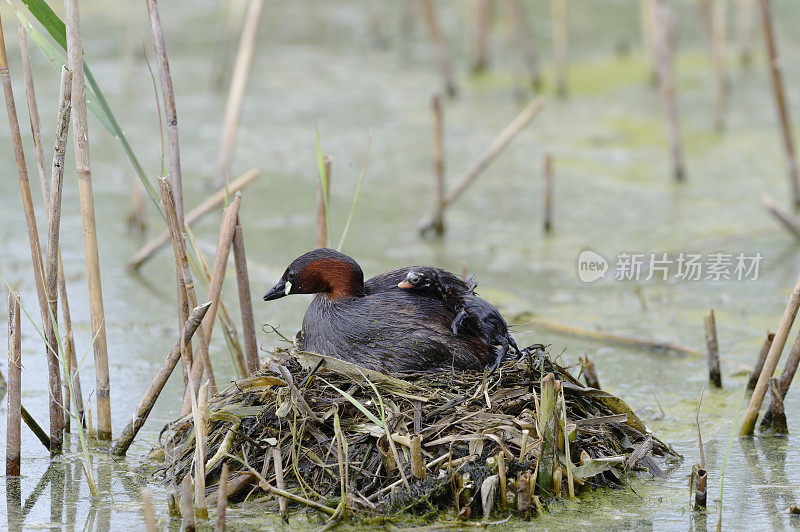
<point x="374" y="323"/>
<point x="474" y="316"/>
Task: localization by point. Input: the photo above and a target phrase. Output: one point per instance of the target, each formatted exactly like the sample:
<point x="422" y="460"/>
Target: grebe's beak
<point x="405" y="285"/>
<point x="278" y="291"/>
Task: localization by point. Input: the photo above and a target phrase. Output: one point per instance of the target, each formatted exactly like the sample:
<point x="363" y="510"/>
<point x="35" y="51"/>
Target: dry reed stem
<point x="780" y="100"/>
<point x="589" y="372"/>
<point x="187" y="504"/>
<point x="33" y="110"/>
<point x="479" y="43"/>
<point x="224" y="243"/>
<point x="714" y="374"/>
<point x="663" y="51"/>
<point x="170" y="113"/>
<point x="14" y="390"/>
<point x="495" y="148"/>
<point x="277" y="461"/>
<point x="37" y="430"/>
<point x="200" y="414"/>
<point x="56" y="419"/>
<point x="145" y="252"/>
<point x="548" y="429"/>
<point x="186" y="285"/>
<point x="417" y="464"/>
<point x="567" y="459"/>
<point x="773" y="357"/>
<point x="228" y="328"/>
<point x="700" y="492"/>
<point x="522" y="28"/>
<point x="437" y="144"/>
<point x="233" y="107"/>
<point x="786" y="220"/>
<point x="245" y="302"/>
<point x="323" y="198"/>
<point x="775" y="418"/>
<point x="759" y="365"/>
<point x="148" y="511"/>
<point x="145" y="406"/>
<point x="81" y="146"/>
<point x="440" y="46"/>
<point x="559" y="13"/>
<point x="548" y="192"/>
<point x="222" y="498"/>
<point x="501" y="473"/>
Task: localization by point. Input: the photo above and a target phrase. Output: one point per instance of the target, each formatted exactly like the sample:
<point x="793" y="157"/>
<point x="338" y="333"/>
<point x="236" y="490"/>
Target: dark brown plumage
<point x="375" y="323"/>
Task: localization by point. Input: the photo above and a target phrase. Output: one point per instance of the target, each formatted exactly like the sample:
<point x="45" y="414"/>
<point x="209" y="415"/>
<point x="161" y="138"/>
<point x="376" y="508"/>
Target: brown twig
<point x="438" y="164"/>
<point x="150" y="248"/>
<point x="780" y="101"/>
<point x="786" y="220"/>
<point x="33" y="110"/>
<point x="14" y="391"/>
<point x="154" y="390"/>
<point x="37" y="430"/>
<point x="718" y="38"/>
<point x="548" y="192"/>
<point x="714" y="374"/>
<point x="81" y="146"/>
<point x="233" y="107"/>
<point x="762" y="356"/>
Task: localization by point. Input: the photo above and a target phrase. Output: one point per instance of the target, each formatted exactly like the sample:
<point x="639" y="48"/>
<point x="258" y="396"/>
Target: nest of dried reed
<point x="346" y="439"/>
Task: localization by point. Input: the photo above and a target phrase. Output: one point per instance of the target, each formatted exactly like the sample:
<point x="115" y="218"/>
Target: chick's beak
<point x="405" y="285"/>
<point x="278" y="291"/>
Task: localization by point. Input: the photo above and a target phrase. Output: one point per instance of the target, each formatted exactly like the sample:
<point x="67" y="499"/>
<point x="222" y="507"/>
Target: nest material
<point x="330" y="418"/>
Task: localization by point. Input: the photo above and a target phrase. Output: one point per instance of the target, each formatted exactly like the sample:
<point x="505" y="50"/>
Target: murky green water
<point x="318" y="64"/>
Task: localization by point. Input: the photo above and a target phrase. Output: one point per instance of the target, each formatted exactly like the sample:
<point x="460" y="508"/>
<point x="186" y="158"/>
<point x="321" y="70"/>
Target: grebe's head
<point x="320" y="271"/>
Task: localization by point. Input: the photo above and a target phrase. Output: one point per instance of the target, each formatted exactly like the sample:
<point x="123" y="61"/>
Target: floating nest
<point x="352" y="440"/>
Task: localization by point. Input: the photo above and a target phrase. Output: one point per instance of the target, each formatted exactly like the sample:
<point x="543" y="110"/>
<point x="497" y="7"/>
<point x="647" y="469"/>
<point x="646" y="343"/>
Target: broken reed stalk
<point x="785" y="381"/>
<point x="780" y="101"/>
<point x="322" y="199"/>
<point x="187" y="503"/>
<point x="437" y="144"/>
<point x="479" y="42"/>
<point x="771" y="362"/>
<point x="501" y="473"/>
<point x="495" y="148"/>
<point x="148" y="511"/>
<point x="762" y="356"/>
<point x="51" y="277"/>
<point x="589" y="372"/>
<point x="56" y="420"/>
<point x="718" y="38"/>
<point x="786" y="220"/>
<point x="233" y="107"/>
<point x="439" y="47"/>
<point x="522" y="28"/>
<point x="245" y="301"/>
<point x="195" y="364"/>
<point x="417" y="464"/>
<point x="81" y="147"/>
<point x="548" y="192"/>
<point x="222" y="498"/>
<point x="700" y="491"/>
<point x="744" y="31"/>
<point x="14" y="391"/>
<point x="229" y="220"/>
<point x="567" y="459"/>
<point x="559" y="13"/>
<point x="714" y="374"/>
<point x="150" y="397"/>
<point x="548" y="430"/>
<point x="170" y="114"/>
<point x="277" y="461"/>
<point x="37" y="430"/>
<point x="200" y="415"/>
<point x="33" y="110"/>
<point x="775" y="418"/>
<point x="150" y="248"/>
<point x="666" y="82"/>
